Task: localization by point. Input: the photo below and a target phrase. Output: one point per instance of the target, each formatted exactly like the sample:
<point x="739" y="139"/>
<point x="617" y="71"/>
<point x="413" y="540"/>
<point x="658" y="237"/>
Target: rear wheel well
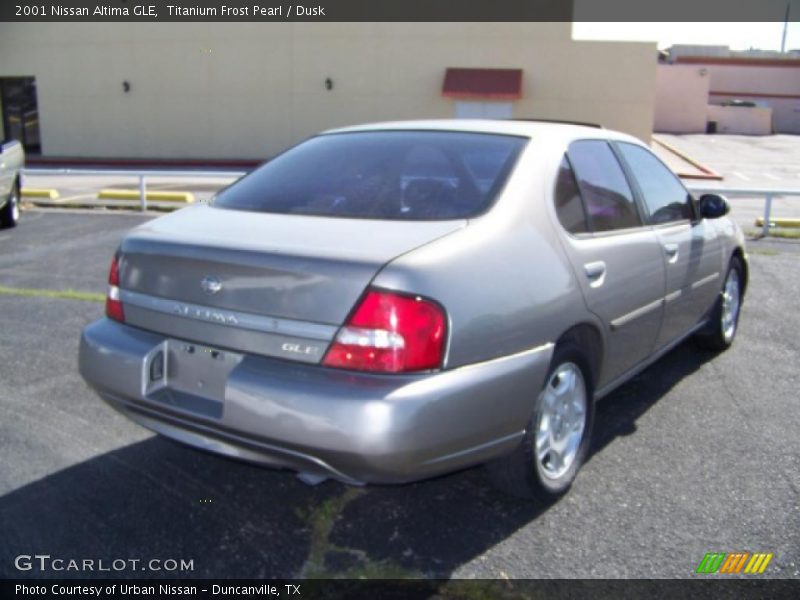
<point x="739" y="253"/>
<point x="588" y="338"/>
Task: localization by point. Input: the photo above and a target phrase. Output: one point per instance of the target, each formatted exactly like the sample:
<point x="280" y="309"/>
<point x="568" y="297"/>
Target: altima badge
<point x="211" y="285"/>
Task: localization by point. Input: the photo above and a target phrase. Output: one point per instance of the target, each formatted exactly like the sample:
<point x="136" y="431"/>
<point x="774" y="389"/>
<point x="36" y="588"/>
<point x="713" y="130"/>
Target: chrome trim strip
<point x="705" y="280"/>
<point x="635" y="314"/>
<point x="672" y="296"/>
<point x="230" y="318"/>
<point x="546" y="347"/>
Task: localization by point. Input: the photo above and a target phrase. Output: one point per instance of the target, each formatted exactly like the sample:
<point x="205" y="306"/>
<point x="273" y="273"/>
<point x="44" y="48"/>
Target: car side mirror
<point x="713" y="206"/>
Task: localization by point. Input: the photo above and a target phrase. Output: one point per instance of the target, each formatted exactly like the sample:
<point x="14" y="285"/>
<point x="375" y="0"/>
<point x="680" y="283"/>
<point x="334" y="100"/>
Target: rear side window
<point x="569" y="206"/>
<point x="406" y="175"/>
<point x="608" y="197"/>
<point x="664" y="195"/>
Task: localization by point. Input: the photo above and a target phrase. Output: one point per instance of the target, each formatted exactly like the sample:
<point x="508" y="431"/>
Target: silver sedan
<point x="391" y="302"/>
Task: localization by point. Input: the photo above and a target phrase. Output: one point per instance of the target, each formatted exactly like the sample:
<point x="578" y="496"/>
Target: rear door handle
<point x="595" y="272"/>
<point x="671" y="250"/>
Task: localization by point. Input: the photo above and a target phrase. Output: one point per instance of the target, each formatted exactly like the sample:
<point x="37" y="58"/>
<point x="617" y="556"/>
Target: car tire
<point x="724" y="320"/>
<point x="9" y="215"/>
<point x="557" y="437"/>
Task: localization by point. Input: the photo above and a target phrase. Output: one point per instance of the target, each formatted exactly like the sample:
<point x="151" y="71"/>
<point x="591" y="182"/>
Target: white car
<point x="12" y="159"/>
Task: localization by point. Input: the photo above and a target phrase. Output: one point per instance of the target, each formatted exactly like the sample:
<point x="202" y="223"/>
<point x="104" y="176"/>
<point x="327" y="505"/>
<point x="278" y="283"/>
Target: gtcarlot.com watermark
<point x="44" y="563"/>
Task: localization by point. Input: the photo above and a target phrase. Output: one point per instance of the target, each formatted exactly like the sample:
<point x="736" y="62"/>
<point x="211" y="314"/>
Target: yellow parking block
<point x="186" y="197"/>
<point x="40" y="193"/>
<point x="779" y="222"/>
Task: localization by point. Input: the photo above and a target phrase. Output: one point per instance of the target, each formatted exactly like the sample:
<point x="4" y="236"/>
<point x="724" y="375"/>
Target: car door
<point x="616" y="257"/>
<point x="691" y="248"/>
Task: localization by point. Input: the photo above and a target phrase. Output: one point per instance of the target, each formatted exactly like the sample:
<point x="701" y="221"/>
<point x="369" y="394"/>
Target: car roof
<point x="531" y="129"/>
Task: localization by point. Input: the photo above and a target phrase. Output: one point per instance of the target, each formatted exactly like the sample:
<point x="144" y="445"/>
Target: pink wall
<point x="681" y="99"/>
<point x="771" y="84"/>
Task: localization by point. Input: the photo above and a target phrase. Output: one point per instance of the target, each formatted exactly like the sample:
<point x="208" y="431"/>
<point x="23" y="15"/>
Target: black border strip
<point x="699" y="588"/>
<point x="399" y="10"/>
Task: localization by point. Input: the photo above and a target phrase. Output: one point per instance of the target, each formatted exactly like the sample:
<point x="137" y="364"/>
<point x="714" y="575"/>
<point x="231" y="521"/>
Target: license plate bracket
<point x="194" y="376"/>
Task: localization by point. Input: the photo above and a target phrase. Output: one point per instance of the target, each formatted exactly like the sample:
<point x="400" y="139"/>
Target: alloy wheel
<point x="14" y="202"/>
<point x="730" y="305"/>
<point x="561" y="422"/>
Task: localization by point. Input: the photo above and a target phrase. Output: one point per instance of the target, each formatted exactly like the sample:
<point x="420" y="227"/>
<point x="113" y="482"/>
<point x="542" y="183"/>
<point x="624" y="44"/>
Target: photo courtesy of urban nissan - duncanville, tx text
<point x="391" y="302"/>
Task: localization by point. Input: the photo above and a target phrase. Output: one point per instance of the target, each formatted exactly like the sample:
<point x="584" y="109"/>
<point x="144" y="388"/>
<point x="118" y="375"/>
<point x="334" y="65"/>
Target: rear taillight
<point x="113" y="304"/>
<point x="390" y="333"/>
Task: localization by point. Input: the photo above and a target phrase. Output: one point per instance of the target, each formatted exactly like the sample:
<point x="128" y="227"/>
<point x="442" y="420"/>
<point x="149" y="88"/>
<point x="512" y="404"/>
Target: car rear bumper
<point x="354" y="427"/>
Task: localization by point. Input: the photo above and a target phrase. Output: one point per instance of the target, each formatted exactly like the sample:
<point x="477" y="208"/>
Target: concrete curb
<point x="789" y="223"/>
<point x="705" y="172"/>
<point x="108" y="194"/>
<point x="100" y="205"/>
<point x="51" y="193"/>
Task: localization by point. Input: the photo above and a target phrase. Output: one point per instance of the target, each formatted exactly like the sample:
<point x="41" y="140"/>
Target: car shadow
<point x="159" y="500"/>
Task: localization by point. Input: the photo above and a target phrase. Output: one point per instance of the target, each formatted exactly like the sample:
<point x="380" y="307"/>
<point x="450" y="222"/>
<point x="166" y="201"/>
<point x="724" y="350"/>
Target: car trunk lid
<point x="272" y="284"/>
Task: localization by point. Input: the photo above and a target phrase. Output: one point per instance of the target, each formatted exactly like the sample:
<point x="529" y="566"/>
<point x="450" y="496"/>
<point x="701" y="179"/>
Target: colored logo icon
<point x="734" y="563"/>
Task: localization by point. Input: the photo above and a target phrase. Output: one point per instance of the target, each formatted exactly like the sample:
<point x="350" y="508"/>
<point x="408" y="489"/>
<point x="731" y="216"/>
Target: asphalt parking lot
<point x="699" y="453"/>
<point x="770" y="162"/>
<point x="749" y="161"/>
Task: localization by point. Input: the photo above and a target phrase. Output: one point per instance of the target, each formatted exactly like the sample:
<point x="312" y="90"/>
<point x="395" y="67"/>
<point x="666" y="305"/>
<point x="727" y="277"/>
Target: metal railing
<point x="767" y="194"/>
<point x="142" y="176"/>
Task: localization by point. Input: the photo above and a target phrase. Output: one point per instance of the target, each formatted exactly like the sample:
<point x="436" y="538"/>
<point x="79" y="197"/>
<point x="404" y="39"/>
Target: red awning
<point x="500" y="84"/>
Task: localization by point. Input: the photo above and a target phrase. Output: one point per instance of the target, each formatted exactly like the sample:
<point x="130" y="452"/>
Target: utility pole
<point x="785" y="27"/>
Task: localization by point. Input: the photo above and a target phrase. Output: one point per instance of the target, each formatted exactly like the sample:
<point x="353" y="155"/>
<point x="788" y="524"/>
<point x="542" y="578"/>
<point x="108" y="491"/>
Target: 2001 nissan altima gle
<point x="391" y="302"/>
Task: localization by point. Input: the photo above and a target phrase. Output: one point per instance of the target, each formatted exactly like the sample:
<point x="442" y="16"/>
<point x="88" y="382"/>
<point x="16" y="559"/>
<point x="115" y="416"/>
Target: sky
<point x="739" y="36"/>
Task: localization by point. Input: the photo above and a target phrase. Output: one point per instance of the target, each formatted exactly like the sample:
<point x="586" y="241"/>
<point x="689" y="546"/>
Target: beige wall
<point x="741" y="119"/>
<point x="681" y="99"/>
<point x="248" y="90"/>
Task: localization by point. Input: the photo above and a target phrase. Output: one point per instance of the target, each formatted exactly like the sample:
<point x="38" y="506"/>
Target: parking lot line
<point x="42" y="293"/>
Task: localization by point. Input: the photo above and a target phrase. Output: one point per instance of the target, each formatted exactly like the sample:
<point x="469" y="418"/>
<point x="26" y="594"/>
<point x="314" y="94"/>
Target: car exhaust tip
<point x="311" y="479"/>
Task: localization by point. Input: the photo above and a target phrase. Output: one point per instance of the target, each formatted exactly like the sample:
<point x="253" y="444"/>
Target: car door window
<point x="569" y="206"/>
<point x="664" y="195"/>
<point x="608" y="197"/>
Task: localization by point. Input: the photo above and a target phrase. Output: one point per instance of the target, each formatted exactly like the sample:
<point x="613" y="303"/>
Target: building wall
<point x="771" y="83"/>
<point x="681" y="99"/>
<point x="770" y="86"/>
<point x="745" y="120"/>
<point x="242" y="90"/>
<point x="785" y="111"/>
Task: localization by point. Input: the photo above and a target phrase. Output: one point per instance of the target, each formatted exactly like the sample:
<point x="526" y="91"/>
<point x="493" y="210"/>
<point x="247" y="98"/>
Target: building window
<point x="465" y="109"/>
<point x="483" y="93"/>
<point x="20" y="112"/>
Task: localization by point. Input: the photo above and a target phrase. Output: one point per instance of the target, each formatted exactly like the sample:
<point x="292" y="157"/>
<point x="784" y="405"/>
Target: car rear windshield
<point x="406" y="175"/>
